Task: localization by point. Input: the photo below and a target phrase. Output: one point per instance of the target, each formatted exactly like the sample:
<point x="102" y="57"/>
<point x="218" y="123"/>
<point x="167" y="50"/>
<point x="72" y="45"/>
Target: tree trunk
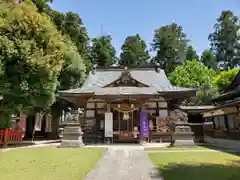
<point x="56" y="113"/>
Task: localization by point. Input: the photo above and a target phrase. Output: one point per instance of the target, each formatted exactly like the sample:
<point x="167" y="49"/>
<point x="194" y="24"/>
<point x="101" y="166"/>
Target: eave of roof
<point x="197" y="107"/>
<point x="228" y="95"/>
<point x="227" y="104"/>
<point x="125" y="90"/>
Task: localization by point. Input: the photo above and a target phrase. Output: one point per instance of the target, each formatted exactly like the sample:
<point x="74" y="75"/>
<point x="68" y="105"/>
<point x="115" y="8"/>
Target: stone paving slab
<point x="124" y="163"/>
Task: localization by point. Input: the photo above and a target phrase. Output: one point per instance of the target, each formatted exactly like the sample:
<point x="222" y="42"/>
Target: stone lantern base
<point x="183" y="136"/>
<point x="72" y="136"/>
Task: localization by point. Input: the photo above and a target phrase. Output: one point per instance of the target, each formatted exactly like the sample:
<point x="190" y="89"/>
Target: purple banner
<point x="144" y="124"/>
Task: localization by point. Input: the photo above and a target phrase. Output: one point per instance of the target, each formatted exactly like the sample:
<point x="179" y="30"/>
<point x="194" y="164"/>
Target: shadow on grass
<point x="175" y="171"/>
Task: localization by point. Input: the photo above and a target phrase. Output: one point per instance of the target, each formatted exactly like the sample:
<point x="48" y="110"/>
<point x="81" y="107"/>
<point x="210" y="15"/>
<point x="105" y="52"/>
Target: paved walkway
<point x="193" y="150"/>
<point x="124" y="163"/>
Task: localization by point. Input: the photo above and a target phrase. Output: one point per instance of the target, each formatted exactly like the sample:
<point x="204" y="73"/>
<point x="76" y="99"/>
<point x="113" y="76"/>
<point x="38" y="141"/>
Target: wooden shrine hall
<point x="134" y="97"/>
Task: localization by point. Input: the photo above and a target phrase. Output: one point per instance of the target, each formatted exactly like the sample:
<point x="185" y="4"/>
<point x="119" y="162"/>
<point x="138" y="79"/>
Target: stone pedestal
<point x="182" y="136"/>
<point x="72" y="135"/>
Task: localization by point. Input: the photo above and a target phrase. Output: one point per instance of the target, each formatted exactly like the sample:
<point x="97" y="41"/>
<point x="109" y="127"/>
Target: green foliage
<point x="192" y="74"/>
<point x="71" y="25"/>
<point x="134" y="52"/>
<point x="191" y="53"/>
<point x="5" y="121"/>
<point x="225" y="39"/>
<point x="76" y="56"/>
<point x="73" y="70"/>
<point x="31" y="54"/>
<point x="170" y="44"/>
<point x="205" y="94"/>
<point x="209" y="59"/>
<point x="224" y="78"/>
<point x="42" y="5"/>
<point x="103" y="52"/>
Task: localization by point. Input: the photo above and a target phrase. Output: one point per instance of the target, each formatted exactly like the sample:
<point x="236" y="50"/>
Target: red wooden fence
<point x="10" y="136"/>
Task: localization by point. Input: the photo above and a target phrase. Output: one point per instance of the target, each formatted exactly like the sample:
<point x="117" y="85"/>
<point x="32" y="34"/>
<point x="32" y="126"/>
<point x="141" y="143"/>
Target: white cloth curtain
<point x="48" y="123"/>
<point x="38" y="122"/>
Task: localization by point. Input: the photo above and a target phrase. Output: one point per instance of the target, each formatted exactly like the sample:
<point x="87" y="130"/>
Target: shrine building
<point x="119" y="102"/>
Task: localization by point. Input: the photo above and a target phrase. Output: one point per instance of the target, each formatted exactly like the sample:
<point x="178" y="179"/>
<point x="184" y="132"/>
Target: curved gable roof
<point x="147" y="76"/>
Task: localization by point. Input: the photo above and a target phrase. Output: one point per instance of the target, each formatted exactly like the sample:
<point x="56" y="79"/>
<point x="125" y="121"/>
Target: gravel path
<point x="124" y="163"/>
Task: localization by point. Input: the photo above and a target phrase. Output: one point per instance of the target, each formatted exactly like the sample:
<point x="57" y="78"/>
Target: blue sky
<point x="121" y="18"/>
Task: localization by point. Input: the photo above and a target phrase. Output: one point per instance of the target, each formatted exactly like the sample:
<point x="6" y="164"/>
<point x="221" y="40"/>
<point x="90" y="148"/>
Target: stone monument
<point x="182" y="135"/>
<point x="72" y="133"/>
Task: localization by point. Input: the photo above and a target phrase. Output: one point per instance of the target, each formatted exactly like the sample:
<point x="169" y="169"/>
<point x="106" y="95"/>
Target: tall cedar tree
<point x="134" y="52"/>
<point x="191" y="53"/>
<point x="170" y="44"/>
<point x="209" y="59"/>
<point x="103" y="52"/>
<point x="225" y="39"/>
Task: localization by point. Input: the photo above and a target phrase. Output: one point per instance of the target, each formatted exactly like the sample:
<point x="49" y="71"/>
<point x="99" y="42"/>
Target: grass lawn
<point x="197" y="165"/>
<point x="48" y="163"/>
<point x="176" y="148"/>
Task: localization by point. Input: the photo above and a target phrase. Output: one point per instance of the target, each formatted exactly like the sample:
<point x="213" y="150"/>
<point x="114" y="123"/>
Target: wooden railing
<point x="8" y="136"/>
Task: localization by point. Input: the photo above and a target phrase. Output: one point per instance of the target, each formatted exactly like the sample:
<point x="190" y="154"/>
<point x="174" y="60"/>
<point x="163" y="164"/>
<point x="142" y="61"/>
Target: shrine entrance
<point x="124" y="125"/>
<point x="126" y="121"/>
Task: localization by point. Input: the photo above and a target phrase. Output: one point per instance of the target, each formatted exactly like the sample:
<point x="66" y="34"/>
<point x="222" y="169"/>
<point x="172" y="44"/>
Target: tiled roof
<point x="156" y="82"/>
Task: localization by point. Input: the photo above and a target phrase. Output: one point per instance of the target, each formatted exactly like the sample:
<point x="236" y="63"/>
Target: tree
<point x="71" y="24"/>
<point x="103" y="52"/>
<point x="42" y="5"/>
<point x="193" y="74"/>
<point x="208" y="59"/>
<point x="73" y="71"/>
<point x="224" y="78"/>
<point x="31" y="54"/>
<point x="225" y="39"/>
<point x="191" y="53"/>
<point x="134" y="51"/>
<point x="170" y="44"/>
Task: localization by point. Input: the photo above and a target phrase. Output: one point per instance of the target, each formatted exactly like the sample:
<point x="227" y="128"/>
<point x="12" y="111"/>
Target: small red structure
<point x="9" y="136"/>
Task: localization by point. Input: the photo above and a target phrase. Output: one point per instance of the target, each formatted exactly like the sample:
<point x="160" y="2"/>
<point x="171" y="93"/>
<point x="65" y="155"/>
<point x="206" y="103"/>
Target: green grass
<point x="197" y="165"/>
<point x="48" y="163"/>
<point x="176" y="148"/>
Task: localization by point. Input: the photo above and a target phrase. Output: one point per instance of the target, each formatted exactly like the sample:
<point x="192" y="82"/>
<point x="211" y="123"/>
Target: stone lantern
<point x="72" y="134"/>
<point x="182" y="135"/>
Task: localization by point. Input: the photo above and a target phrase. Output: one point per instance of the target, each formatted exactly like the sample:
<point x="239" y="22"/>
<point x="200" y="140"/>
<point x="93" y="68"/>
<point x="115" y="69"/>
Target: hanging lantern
<point x="125" y="116"/>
